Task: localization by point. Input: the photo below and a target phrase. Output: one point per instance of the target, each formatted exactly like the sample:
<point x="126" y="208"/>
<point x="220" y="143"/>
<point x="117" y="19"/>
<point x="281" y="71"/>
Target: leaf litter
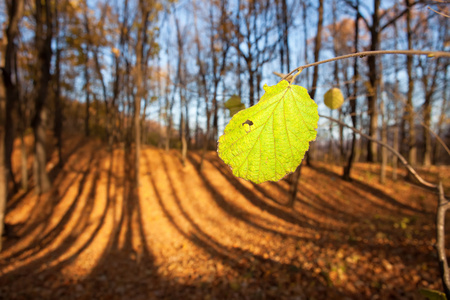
<point x="186" y="234"/>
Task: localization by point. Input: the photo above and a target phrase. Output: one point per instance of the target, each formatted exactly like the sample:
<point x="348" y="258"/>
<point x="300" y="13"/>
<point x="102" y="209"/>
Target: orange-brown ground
<point x="185" y="234"/>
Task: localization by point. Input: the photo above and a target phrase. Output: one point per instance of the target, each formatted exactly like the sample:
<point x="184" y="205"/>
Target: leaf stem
<point x="371" y="53"/>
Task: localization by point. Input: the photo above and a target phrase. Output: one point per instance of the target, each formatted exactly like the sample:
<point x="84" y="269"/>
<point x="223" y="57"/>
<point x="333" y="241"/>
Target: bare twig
<point x="438" y="12"/>
<point x="370" y="53"/>
<point x="396" y="153"/>
<point x="438" y="138"/>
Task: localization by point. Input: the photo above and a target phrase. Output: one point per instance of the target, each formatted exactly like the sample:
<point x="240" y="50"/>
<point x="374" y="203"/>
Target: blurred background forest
<point x="110" y="112"/>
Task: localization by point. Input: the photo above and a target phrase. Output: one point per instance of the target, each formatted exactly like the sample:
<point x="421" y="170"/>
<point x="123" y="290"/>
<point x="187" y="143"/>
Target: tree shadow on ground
<point x="359" y="185"/>
<point x="254" y="268"/>
<point x="230" y="239"/>
<point x="73" y="147"/>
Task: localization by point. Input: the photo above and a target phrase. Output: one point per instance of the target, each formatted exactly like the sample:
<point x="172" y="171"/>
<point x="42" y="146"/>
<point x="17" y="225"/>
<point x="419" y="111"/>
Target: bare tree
<point x="252" y="39"/>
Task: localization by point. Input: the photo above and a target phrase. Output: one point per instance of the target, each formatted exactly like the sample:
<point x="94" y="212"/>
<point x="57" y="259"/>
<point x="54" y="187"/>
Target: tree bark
<point x="430" y="89"/>
<point x="373" y="80"/>
<point x="442" y="116"/>
<point x="87" y="131"/>
<point x="140" y="68"/>
<point x="57" y="125"/>
<point x="384" y="140"/>
<point x="347" y="169"/>
<point x="43" y="39"/>
<point x="412" y="148"/>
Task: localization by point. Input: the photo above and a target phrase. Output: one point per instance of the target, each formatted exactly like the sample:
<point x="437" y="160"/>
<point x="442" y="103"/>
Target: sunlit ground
<point x="185" y="234"/>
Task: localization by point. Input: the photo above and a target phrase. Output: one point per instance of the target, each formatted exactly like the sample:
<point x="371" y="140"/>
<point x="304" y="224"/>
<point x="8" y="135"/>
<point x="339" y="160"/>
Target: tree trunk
<point x="412" y="148"/>
<point x="384" y="140"/>
<point x="318" y="42"/>
<point x="43" y="39"/>
<point x="87" y="131"/>
<point x="351" y="158"/>
<point x="293" y="188"/>
<point x="3" y="183"/>
<point x="430" y="88"/>
<point x="57" y="126"/>
<point x="251" y="83"/>
<point x="3" y="173"/>
<point x="140" y="94"/>
<point x="373" y="80"/>
<point x="317" y="46"/>
<point x="330" y="144"/>
<point x="396" y="137"/>
<point x="442" y="117"/>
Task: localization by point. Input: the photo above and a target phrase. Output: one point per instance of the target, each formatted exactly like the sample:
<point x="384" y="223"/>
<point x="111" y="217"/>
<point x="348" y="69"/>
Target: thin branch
<point x="396" y="153"/>
<point x="371" y="53"/>
<point x="438" y="12"/>
<point x="438" y="138"/>
<point x="443" y="206"/>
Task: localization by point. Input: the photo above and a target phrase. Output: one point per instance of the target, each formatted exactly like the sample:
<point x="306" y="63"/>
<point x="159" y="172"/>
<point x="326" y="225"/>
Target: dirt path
<point x="185" y="234"/>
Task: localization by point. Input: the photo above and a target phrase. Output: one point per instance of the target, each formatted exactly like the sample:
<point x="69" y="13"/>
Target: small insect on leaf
<point x="250" y="123"/>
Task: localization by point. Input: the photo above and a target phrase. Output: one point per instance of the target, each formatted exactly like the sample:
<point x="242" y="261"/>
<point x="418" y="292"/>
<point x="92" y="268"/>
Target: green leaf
<point x="268" y="140"/>
<point x="234" y="105"/>
<point x="333" y="98"/>
<point x="432" y="294"/>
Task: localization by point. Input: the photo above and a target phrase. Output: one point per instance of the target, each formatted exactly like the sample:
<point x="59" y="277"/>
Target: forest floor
<point x="186" y="234"/>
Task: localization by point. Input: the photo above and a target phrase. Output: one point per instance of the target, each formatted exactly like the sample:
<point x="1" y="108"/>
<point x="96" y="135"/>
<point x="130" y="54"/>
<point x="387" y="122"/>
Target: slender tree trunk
<point x="3" y="183"/>
<point x="293" y="188"/>
<point x="317" y="46"/>
<point x="374" y="81"/>
<point x="318" y="42"/>
<point x="87" y="131"/>
<point x="412" y="148"/>
<point x="11" y="92"/>
<point x="330" y="144"/>
<point x="239" y="68"/>
<point x="384" y="153"/>
<point x="215" y="105"/>
<point x="3" y="170"/>
<point x="442" y="116"/>
<point x="251" y="82"/>
<point x="351" y="158"/>
<point x="284" y="12"/>
<point x="168" y="122"/>
<point x="305" y="39"/>
<point x="183" y="132"/>
<point x="395" y="138"/>
<point x="43" y="38"/>
<point x="430" y="88"/>
<point x="140" y="71"/>
<point x="57" y="126"/>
